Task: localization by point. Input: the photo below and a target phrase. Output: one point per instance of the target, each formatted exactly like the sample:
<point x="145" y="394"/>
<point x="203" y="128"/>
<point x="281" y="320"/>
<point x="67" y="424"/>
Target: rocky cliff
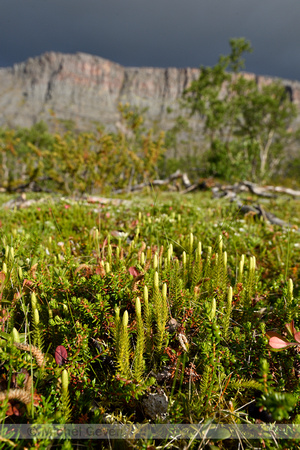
<point x="87" y="89"/>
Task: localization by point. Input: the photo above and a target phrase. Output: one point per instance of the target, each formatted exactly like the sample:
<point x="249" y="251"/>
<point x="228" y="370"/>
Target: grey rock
<point x="87" y="89"/>
<point x="155" y="405"/>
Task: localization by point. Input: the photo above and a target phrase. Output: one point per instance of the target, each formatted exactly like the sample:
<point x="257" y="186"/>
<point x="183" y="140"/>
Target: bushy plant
<point x="248" y="126"/>
<point x="70" y="162"/>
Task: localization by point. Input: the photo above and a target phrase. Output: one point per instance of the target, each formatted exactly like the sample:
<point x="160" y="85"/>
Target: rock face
<point x="87" y="89"/>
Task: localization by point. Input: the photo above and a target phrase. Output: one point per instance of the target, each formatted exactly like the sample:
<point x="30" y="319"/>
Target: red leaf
<point x="61" y="355"/>
<point x="290" y="327"/>
<point x="134" y="223"/>
<point x="28" y="285"/>
<point x="36" y="399"/>
<point x="14" y="409"/>
<point x="2" y="277"/>
<point x="133" y="271"/>
<point x="9" y="411"/>
<point x="297" y="337"/>
<point x="100" y="269"/>
<point x="33" y="269"/>
<point x="276" y="341"/>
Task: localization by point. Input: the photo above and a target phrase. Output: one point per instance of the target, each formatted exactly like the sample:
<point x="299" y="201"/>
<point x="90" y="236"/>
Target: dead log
<point x="231" y="192"/>
<point x="175" y="176"/>
<point x="259" y="191"/>
<point x="256" y="190"/>
<point x="282" y="190"/>
<point x="202" y="185"/>
<point x="260" y="212"/>
<point x="193" y="187"/>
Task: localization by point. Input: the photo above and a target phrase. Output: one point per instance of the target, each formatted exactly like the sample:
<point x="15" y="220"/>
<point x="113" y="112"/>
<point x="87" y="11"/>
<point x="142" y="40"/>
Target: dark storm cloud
<point x="163" y="33"/>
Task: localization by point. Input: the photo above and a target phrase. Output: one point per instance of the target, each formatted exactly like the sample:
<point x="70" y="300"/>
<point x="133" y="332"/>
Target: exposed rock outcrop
<point x="85" y="89"/>
<point x="88" y="89"/>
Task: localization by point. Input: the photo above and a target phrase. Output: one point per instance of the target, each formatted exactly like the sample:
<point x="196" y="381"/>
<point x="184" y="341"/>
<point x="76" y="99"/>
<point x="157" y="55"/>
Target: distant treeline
<point x="79" y="162"/>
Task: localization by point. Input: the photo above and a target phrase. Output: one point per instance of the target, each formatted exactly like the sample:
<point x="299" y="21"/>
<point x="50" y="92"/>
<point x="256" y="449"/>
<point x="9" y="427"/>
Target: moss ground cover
<point x="163" y="294"/>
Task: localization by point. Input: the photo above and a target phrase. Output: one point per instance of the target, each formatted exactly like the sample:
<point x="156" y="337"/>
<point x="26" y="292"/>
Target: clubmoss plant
<point x="289" y="300"/>
<point x="37" y="332"/>
<point x="117" y="332"/>
<point x="250" y="284"/>
<point x="184" y="268"/>
<point x="197" y="269"/>
<point x="198" y="330"/>
<point x="65" y="403"/>
<point x="34" y="351"/>
<point x="147" y="320"/>
<point x="241" y="269"/>
<point x="123" y="346"/>
<point x="139" y="363"/>
<point x="228" y="311"/>
<point x="160" y="310"/>
<point x="190" y="258"/>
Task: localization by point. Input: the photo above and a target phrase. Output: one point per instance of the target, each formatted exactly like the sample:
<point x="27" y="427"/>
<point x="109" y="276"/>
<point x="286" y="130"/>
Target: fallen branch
<point x="175" y="176"/>
<point x="260" y="191"/>
<point x="259" y="211"/>
<point x="231" y="192"/>
<point x="282" y="190"/>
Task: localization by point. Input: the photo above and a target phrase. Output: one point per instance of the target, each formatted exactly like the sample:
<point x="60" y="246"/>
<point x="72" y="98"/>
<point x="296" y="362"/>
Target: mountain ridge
<point x="87" y="90"/>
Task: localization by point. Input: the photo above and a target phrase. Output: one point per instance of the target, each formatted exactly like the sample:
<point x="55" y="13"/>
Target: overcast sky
<point x="158" y="33"/>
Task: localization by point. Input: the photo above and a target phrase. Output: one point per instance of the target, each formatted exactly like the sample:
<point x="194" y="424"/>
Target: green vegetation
<point x="107" y="306"/>
<point x="101" y="306"/>
<point x="79" y="162"/>
<point x="247" y="126"/>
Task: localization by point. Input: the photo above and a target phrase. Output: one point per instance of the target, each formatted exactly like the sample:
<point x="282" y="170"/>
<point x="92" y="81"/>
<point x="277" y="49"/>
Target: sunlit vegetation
<point x="106" y="303"/>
